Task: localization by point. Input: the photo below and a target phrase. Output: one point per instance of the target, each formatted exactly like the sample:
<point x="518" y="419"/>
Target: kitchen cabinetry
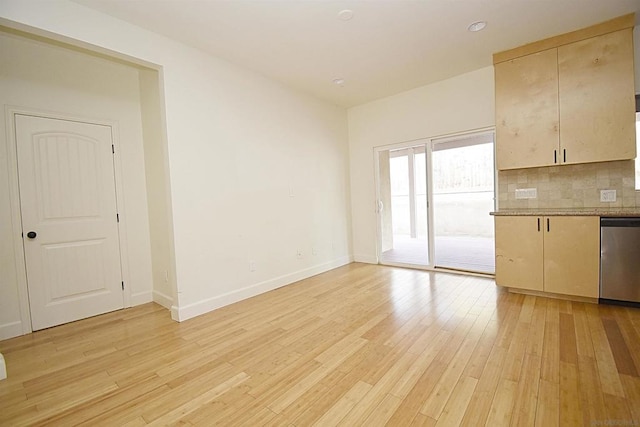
<point x="597" y="99"/>
<point x="556" y="254"/>
<point x="527" y="116"/>
<point x="571" y="102"/>
<point x="519" y="252"/>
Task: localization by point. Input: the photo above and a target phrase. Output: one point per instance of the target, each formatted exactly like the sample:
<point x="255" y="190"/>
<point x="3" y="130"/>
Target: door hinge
<point x="118" y="217"/>
<point x="113" y="149"/>
<point x="123" y="285"/>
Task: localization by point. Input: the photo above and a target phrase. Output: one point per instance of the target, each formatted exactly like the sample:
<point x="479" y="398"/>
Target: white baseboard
<point x="174" y="313"/>
<point x="368" y="259"/>
<point x="164" y="300"/>
<point x="201" y="307"/>
<point x="10" y="330"/>
<point x="141" y="298"/>
<point x="3" y="368"/>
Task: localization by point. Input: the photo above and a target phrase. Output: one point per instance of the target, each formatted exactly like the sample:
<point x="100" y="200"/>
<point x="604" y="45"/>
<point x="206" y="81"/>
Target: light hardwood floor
<point x="359" y="345"/>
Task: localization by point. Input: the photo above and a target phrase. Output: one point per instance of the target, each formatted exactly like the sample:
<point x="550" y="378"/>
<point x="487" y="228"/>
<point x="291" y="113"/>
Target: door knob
<point x="32" y="234"/>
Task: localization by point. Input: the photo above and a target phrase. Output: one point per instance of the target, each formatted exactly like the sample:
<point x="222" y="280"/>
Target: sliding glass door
<point x="402" y="206"/>
<point x="463" y="196"/>
<point x="434" y="201"/>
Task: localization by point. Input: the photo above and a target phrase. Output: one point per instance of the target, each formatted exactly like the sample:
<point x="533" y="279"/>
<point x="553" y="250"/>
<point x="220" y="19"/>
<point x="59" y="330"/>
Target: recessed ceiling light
<point x="338" y="82"/>
<point x="345" y="15"/>
<point x="477" y="26"/>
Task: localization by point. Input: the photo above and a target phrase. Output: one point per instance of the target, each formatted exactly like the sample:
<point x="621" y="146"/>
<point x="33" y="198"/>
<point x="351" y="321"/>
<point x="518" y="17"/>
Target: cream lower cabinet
<point x="519" y="252"/>
<point x="557" y="254"/>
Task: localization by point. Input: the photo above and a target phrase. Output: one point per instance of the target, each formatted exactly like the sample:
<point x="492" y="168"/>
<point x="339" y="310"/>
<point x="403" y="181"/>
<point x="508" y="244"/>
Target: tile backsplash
<point x="570" y="186"/>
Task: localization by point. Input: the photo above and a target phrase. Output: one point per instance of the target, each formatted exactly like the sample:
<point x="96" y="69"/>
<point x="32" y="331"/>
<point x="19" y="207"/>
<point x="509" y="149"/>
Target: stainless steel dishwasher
<point x="620" y="260"/>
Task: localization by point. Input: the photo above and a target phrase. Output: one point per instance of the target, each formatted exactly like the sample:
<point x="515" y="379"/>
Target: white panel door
<point x="68" y="202"/>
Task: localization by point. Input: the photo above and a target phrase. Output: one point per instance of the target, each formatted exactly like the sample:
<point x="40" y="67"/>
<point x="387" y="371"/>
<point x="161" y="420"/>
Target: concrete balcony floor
<point x="467" y="253"/>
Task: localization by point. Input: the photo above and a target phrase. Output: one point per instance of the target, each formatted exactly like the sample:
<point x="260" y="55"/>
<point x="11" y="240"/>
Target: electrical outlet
<point x="252" y="266"/>
<point x="300" y="253"/>
<point x="526" y="193"/>
<point x="607" y="196"/>
<point x="314" y="251"/>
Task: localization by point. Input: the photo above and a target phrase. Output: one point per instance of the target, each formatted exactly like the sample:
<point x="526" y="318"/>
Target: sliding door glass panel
<point x="463" y="197"/>
<point x="399" y="171"/>
<point x="402" y="206"/>
<point x="421" y="194"/>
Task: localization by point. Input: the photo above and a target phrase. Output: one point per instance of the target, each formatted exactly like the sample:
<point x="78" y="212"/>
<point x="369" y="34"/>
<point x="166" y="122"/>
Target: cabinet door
<point x="597" y="107"/>
<point x="572" y="255"/>
<point x="519" y="252"/>
<point x="527" y="111"/>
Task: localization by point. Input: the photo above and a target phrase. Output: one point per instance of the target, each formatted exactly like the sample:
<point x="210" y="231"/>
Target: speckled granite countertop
<point x="604" y="212"/>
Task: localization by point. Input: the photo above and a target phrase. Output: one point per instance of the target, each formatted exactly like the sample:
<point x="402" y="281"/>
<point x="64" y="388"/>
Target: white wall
<point x="458" y="104"/>
<point x="158" y="195"/>
<point x="253" y="145"/>
<point x="257" y="171"/>
<point x="40" y="76"/>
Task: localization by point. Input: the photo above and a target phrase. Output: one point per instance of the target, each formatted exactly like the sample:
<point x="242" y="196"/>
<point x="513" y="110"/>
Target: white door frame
<point x="428" y="144"/>
<point x="376" y="162"/>
<point x="14" y="201"/>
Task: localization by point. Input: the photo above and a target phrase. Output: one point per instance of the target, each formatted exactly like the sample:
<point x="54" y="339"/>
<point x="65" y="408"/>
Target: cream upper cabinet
<point x="527" y="110"/>
<point x="597" y="102"/>
<point x="558" y="254"/>
<point x="570" y="101"/>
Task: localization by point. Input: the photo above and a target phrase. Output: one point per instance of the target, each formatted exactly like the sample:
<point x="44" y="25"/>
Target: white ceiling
<point x="388" y="47"/>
